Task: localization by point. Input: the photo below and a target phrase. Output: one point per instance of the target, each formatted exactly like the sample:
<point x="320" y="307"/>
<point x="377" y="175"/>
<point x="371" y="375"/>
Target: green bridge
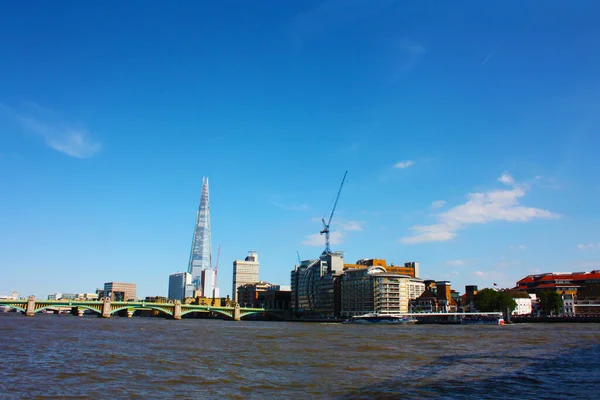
<point x="105" y="308"/>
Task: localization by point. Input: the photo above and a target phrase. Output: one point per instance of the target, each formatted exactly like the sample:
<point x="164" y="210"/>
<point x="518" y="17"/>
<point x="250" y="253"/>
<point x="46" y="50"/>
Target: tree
<point x="504" y="302"/>
<point x="551" y="302"/>
<point x="488" y="300"/>
<point x="484" y="300"/>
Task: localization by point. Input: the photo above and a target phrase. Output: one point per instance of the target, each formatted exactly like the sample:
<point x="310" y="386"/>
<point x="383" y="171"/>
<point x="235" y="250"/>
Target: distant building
<point x="264" y="295"/>
<point x="178" y="284"/>
<point x="437" y="297"/>
<point x="560" y="282"/>
<point x="523" y="300"/>
<point x="374" y="289"/>
<point x="119" y="291"/>
<point x="244" y="272"/>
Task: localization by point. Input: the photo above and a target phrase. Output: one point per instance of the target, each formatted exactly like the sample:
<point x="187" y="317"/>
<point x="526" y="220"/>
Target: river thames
<point x="62" y="356"/>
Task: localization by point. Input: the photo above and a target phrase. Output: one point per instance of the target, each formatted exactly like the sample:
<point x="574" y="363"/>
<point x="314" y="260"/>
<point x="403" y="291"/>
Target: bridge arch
<point x="66" y="305"/>
<point x="222" y="312"/>
<point x="16" y="307"/>
<point x="271" y="313"/>
<point x="143" y="307"/>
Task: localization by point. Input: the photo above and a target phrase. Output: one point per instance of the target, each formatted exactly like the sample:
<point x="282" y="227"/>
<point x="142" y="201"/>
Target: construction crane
<point x="326" y="224"/>
<point x="217" y="269"/>
<point x="299" y="261"/>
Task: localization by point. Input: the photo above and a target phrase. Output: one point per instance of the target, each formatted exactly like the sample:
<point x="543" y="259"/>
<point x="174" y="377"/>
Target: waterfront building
<point x="315" y="286"/>
<point x="374" y="289"/>
<point x="523" y="300"/>
<point x="264" y="295"/>
<point x="560" y="282"/>
<point x="437" y="297"/>
<point x="55" y="296"/>
<point x="244" y="272"/>
<point x="180" y="284"/>
<point x="118" y="291"/>
<point x="200" y="264"/>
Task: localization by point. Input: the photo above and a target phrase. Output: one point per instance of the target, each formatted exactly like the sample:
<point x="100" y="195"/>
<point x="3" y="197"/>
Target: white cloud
<point x="404" y="164"/>
<point x="438" y="204"/>
<point x="349" y="226"/>
<point x="517" y="247"/>
<point x="479" y="273"/>
<point x="317" y="239"/>
<point x="506" y="179"/>
<point x="456" y="263"/>
<point x="58" y="134"/>
<point x="494" y="205"/>
<point x="588" y="246"/>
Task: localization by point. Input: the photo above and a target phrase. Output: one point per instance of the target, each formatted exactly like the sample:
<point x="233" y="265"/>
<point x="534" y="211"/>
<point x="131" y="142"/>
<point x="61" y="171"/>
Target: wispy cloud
<point x="457" y="263"/>
<point x="404" y="164"/>
<point x="517" y="247"/>
<point x="57" y="133"/>
<point x="487" y="58"/>
<point x="438" y="204"/>
<point x="588" y="246"/>
<point x="337" y="235"/>
<point x="494" y="205"/>
<point x="317" y="239"/>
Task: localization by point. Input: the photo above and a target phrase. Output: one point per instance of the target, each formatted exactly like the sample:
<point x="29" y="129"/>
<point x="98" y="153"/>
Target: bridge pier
<point x="30" y="310"/>
<point x="177" y="310"/>
<point x="236" y="312"/>
<point x="106" y="308"/>
<point x="130" y="313"/>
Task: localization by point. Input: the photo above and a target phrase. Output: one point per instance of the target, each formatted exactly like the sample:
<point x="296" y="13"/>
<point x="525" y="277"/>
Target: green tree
<point x="488" y="300"/>
<point x="485" y="300"/>
<point x="551" y="302"/>
<point x="504" y="302"/>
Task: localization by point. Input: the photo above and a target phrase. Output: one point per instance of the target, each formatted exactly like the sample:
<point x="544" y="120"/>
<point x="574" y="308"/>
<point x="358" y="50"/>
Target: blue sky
<point x="469" y="130"/>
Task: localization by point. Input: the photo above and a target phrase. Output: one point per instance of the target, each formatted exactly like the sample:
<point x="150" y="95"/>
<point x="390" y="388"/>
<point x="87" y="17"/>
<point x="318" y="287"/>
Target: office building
<point x="118" y="291"/>
<point x="179" y="285"/>
<point x="200" y="264"/>
<point x="244" y="272"/>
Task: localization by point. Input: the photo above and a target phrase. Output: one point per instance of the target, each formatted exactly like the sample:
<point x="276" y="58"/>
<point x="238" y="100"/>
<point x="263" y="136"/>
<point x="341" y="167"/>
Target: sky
<point x="470" y="133"/>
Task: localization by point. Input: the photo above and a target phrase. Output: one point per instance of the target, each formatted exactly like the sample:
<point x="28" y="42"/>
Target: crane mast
<point x="325" y="229"/>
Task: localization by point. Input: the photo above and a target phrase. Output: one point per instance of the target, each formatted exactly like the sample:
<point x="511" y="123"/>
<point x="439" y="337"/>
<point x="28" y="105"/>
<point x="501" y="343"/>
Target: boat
<point x="374" y="318"/>
<point x="482" y="320"/>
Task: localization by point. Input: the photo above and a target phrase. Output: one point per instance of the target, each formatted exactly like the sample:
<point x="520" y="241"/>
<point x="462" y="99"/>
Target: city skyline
<point x="470" y="137"/>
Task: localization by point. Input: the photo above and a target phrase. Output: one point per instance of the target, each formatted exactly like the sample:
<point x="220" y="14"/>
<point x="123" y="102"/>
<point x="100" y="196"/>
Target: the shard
<point x="200" y="265"/>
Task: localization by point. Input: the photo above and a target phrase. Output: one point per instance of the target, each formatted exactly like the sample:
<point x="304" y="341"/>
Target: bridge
<point x="106" y="308"/>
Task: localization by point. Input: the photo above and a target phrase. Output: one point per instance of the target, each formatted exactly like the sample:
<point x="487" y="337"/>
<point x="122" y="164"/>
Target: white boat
<point x="374" y="318"/>
<point x="482" y="320"/>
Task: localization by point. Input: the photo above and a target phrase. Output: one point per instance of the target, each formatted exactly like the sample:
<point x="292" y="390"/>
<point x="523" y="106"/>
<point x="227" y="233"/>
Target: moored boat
<point x="374" y="318"/>
<point x="482" y="320"/>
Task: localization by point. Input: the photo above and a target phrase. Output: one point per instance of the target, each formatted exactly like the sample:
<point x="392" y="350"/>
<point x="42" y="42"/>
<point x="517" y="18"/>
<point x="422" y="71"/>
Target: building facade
<point x="180" y="286"/>
<point x="119" y="291"/>
<point x="244" y="272"/>
<point x="315" y="286"/>
<point x="373" y="289"/>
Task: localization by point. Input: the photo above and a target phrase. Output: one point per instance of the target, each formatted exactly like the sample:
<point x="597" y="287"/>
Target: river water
<point x="62" y="356"/>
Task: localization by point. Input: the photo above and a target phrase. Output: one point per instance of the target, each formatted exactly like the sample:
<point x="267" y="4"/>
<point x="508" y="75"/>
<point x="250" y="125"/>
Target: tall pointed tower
<point x="200" y="266"/>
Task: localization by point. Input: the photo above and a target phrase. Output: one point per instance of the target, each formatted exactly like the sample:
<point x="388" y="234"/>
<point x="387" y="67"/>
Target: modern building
<point x="200" y="264"/>
<point x="180" y="286"/>
<point x="118" y="291"/>
<point x="244" y="272"/>
<point x="374" y="289"/>
<point x="315" y="286"/>
<point x="410" y="268"/>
